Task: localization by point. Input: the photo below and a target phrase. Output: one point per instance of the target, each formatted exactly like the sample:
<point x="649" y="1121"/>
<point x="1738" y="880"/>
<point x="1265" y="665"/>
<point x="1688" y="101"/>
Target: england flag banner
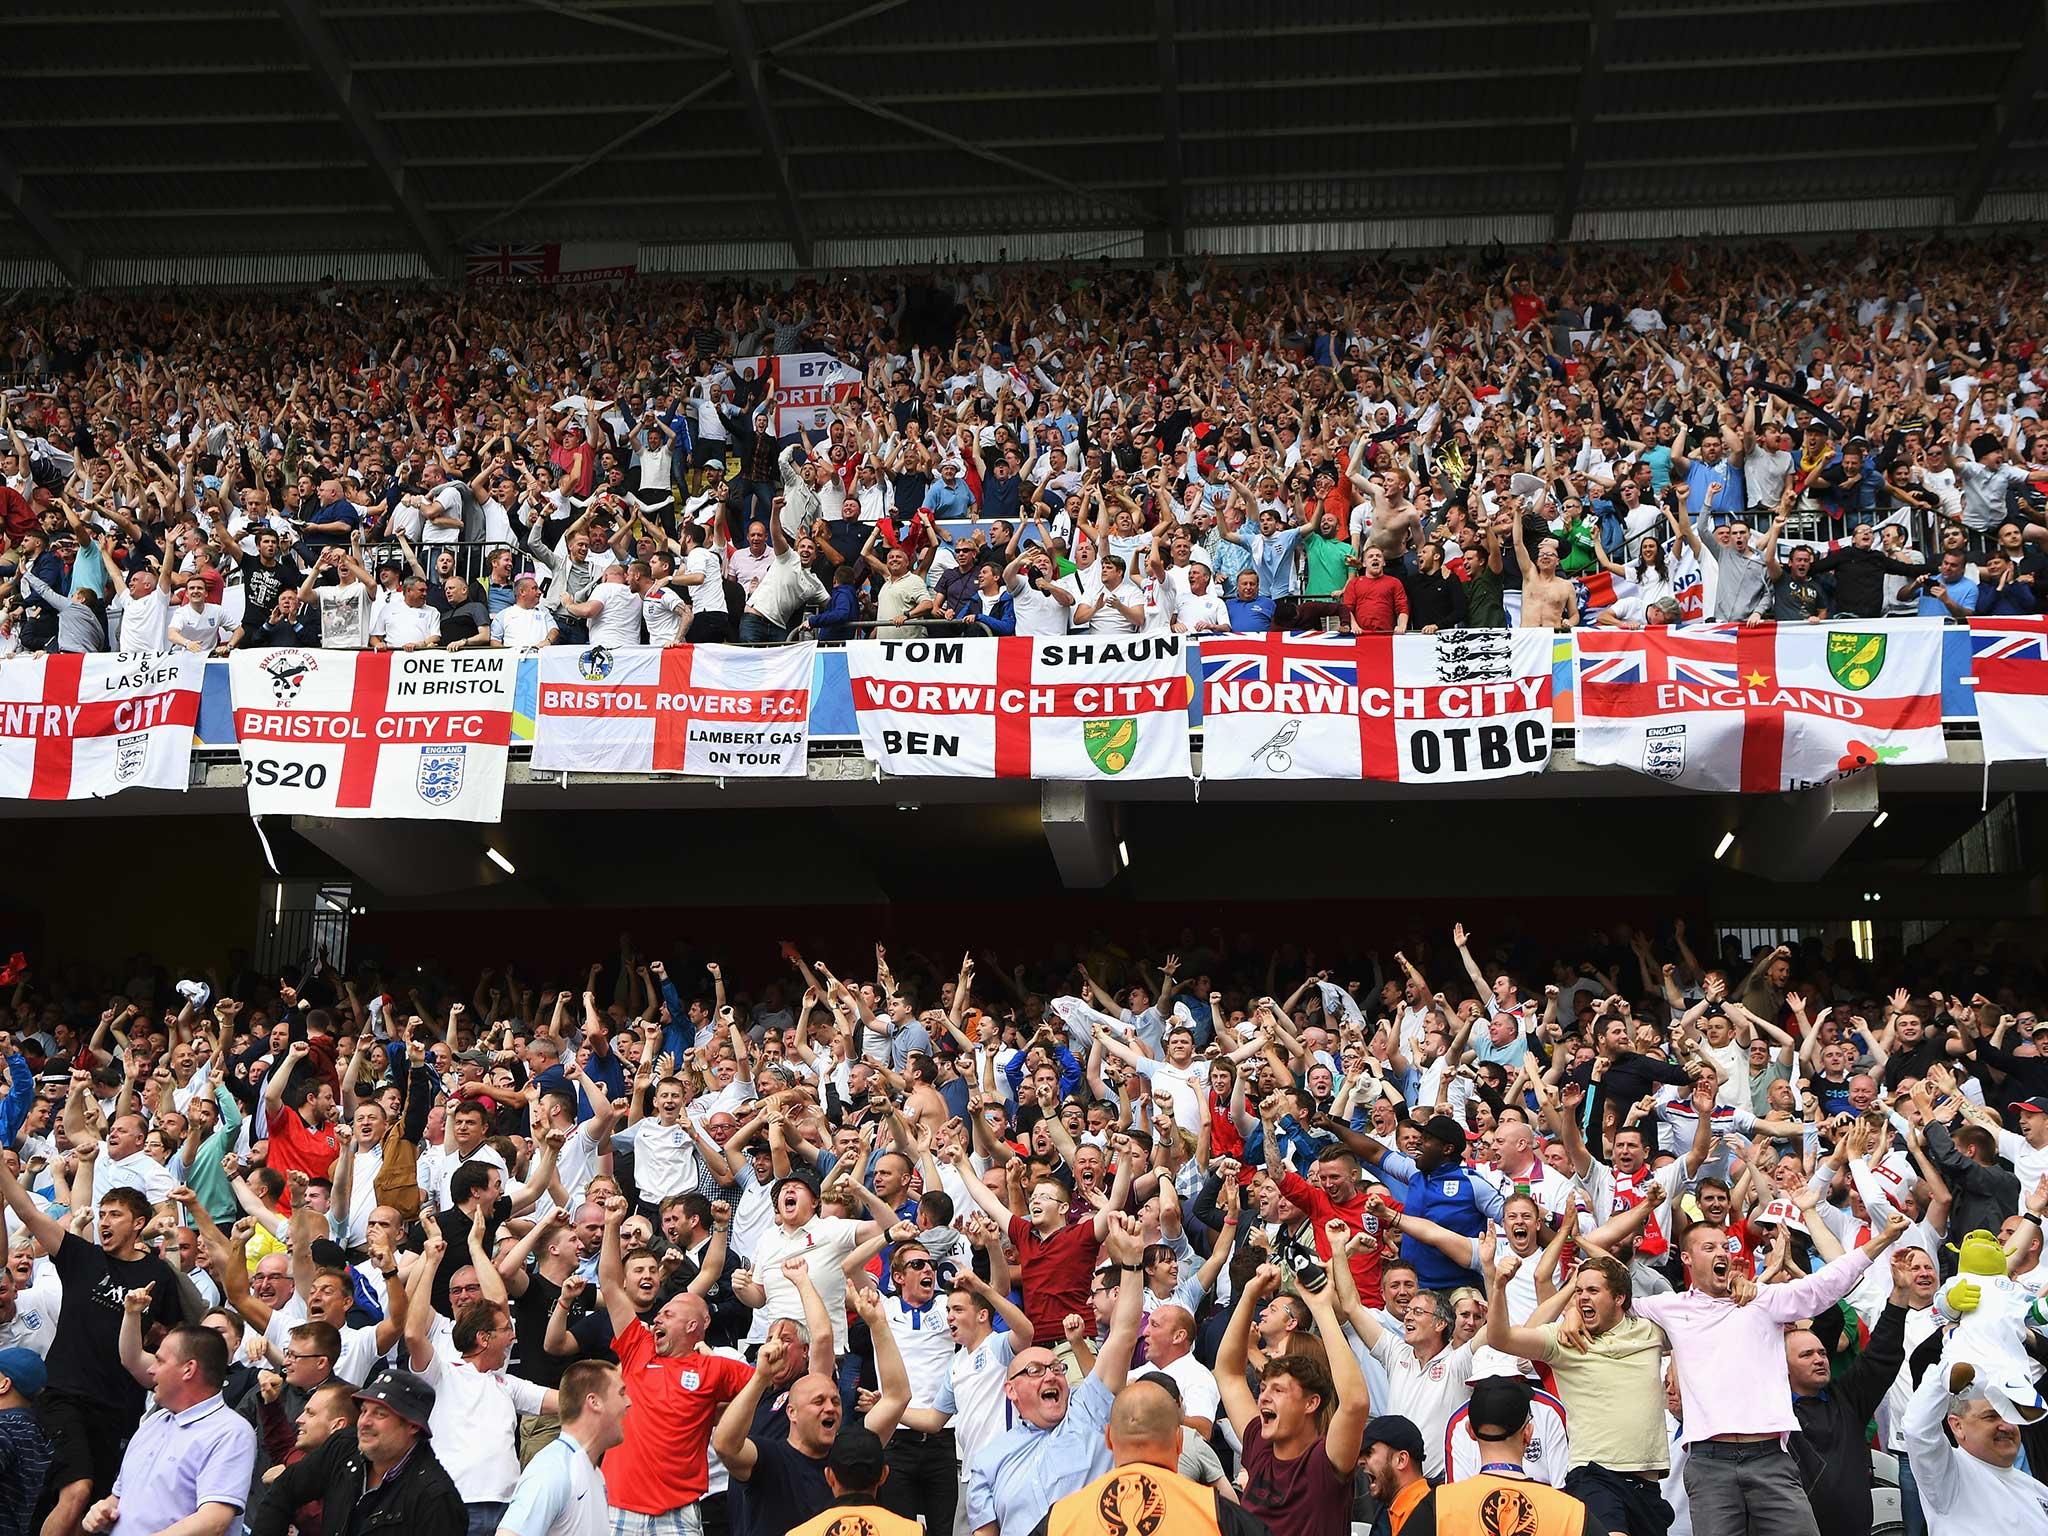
<point x="809" y="387"/>
<point x="705" y="709"/>
<point x="79" y="727"/>
<point x="1760" y="708"/>
<point x="1019" y="707"/>
<point x="2009" y="669"/>
<point x="403" y="734"/>
<point x="1416" y="709"/>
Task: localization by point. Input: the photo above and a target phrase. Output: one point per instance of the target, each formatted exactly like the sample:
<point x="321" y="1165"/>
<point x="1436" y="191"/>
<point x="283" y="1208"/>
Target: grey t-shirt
<point x="1744" y="586"/>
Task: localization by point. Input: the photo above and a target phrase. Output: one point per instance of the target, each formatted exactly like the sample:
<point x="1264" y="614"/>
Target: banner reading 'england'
<point x="1763" y="707"/>
<point x="2009" y="660"/>
<point x="76" y="727"/>
<point x="709" y="709"/>
<point x="1018" y="707"/>
<point x="419" y="734"/>
<point x="1419" y="709"/>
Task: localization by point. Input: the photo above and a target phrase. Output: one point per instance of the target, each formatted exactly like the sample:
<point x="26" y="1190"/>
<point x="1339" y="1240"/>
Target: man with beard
<point x="1730" y="1358"/>
<point x="1608" y="1366"/>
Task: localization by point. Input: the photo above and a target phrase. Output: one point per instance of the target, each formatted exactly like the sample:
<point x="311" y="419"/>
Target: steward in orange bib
<point x="854" y="1469"/>
<point x="1501" y="1500"/>
<point x="1143" y="1492"/>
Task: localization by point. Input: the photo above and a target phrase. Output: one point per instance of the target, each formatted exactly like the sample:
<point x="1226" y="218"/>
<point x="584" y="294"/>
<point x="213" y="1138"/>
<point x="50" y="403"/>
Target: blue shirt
<point x="1023" y="1472"/>
<point x="1714" y="487"/>
<point x="1659" y="460"/>
<point x="179" y="1461"/>
<point x="1249" y="618"/>
<point x="551" y="1484"/>
<point x="1273" y="559"/>
<point x="1963" y="591"/>
<point x="956" y="502"/>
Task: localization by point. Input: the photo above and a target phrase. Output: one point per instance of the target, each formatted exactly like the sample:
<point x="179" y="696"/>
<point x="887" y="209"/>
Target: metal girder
<point x="336" y="77"/>
<point x="966" y="147"/>
<point x="44" y="225"/>
<point x="1599" y="38"/>
<point x="745" y="57"/>
<point x="627" y="24"/>
<point x="2022" y="80"/>
<point x="1163" y="12"/>
<point x="646" y="124"/>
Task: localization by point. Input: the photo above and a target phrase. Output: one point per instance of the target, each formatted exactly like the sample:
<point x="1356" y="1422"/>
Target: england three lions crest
<point x="1664" y="751"/>
<point x="440" y="774"/>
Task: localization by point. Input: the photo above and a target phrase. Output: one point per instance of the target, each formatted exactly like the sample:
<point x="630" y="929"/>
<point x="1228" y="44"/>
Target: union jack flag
<point x="502" y="263"/>
<point x="2009" y="667"/>
<point x="1307" y="657"/>
<point x="1991" y="640"/>
<point x="1701" y="653"/>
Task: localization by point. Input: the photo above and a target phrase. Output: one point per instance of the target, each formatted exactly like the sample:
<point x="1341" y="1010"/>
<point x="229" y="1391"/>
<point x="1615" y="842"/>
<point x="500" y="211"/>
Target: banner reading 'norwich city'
<point x="1416" y="709"/>
<point x="1019" y="707"/>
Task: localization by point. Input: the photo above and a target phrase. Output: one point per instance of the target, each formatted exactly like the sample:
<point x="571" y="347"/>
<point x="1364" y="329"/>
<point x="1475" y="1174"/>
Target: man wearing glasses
<point x="1057" y="1444"/>
<point x="309" y="1355"/>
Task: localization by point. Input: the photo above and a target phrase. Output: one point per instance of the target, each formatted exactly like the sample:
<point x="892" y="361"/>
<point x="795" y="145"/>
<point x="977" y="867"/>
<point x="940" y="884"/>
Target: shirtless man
<point x="1548" y="601"/>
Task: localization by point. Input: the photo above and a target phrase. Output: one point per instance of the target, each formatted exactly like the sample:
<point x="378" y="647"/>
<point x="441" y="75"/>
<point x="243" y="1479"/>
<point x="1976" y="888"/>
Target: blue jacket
<point x="835" y="620"/>
<point x="1451" y="1197"/>
<point x="998" y="618"/>
<point x="21" y="1097"/>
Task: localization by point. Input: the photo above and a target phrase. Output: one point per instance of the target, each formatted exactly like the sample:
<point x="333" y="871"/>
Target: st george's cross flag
<point x="1760" y="708"/>
<point x="1422" y="709"/>
<point x="80" y="727"/>
<point x="1024" y="707"/>
<point x="369" y="734"/>
<point x="706" y="709"/>
<point x="2009" y="662"/>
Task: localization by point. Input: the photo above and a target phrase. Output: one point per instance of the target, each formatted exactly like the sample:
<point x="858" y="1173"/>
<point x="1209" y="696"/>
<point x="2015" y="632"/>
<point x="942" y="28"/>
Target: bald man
<point x="1144" y="1435"/>
<point x="1169" y="1342"/>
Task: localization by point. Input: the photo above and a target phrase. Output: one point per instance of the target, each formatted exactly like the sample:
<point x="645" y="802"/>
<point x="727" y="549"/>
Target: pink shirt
<point x="1731" y="1360"/>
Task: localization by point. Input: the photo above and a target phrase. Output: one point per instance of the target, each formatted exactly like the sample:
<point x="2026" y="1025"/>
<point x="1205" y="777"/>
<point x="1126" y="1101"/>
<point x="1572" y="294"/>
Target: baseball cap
<point x="24" y="1368"/>
<point x="1396" y="1434"/>
<point x="856" y="1457"/>
<point x="403" y="1393"/>
<point x="1499" y="1407"/>
<point x="2017" y="1400"/>
<point x="1445" y="1130"/>
<point x="2037" y="1105"/>
<point x="796" y="1176"/>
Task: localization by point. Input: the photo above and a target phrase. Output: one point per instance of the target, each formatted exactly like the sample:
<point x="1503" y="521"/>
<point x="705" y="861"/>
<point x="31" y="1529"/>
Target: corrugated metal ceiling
<point x="146" y="131"/>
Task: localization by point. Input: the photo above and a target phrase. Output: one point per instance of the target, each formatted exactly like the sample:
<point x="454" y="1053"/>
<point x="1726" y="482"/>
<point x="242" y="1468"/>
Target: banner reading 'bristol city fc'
<point x="1760" y="707"/>
<point x="1416" y="709"/>
<point x="708" y="709"/>
<point x="414" y="734"/>
<point x="76" y="727"/>
<point x="1021" y="707"/>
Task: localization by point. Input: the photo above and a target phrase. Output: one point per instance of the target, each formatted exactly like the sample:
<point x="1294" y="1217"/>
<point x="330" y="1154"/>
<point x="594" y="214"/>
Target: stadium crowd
<point x="1542" y="438"/>
<point x="1620" y="1237"/>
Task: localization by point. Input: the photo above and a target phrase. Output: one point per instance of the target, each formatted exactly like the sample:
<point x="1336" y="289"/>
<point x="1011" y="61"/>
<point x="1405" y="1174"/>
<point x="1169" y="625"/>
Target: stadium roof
<point x="812" y="133"/>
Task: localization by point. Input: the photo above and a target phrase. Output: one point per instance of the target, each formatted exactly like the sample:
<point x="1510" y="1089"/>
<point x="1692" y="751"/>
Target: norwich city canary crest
<point x="1110" y="743"/>
<point x="1855" y="660"/>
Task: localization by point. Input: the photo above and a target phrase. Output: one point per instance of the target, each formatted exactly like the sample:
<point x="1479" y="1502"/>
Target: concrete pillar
<point x="1081" y="829"/>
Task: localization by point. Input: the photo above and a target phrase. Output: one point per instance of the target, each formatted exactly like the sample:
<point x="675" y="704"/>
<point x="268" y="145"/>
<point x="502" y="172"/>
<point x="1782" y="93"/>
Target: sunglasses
<point x="917" y="1264"/>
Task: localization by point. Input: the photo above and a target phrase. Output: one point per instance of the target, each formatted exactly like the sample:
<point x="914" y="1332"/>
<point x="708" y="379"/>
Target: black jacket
<point x="1859" y="578"/>
<point x="1984" y="1197"/>
<point x="1831" y="1446"/>
<point x="423" y="1500"/>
